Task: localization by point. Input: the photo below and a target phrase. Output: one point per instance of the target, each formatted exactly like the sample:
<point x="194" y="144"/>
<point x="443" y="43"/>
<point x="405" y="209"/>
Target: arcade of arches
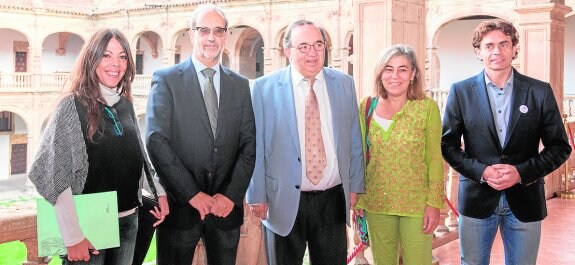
<point x="42" y="38"/>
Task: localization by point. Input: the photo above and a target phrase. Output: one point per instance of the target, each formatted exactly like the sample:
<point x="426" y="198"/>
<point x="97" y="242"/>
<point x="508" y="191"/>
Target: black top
<point x="115" y="159"/>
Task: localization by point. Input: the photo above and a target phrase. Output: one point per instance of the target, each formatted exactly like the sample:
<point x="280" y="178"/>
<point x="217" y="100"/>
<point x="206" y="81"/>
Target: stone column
<point x="32" y="253"/>
<point x="379" y="24"/>
<point x="168" y="57"/>
<point x="267" y="60"/>
<point x="451" y="191"/>
<point x="541" y="53"/>
<point x="432" y="75"/>
<point x="542" y="41"/>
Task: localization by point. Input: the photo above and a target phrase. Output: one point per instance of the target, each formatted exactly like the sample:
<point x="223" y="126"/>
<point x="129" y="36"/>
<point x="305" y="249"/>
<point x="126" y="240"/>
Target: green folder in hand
<point x="98" y="217"/>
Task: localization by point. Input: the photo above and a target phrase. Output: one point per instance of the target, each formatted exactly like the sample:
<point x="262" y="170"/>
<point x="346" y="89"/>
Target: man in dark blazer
<point x="503" y="117"/>
<point x="203" y="150"/>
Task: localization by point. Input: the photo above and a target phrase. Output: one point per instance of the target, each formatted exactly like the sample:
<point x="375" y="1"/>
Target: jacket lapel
<point x="480" y="92"/>
<point x="192" y="85"/>
<point x="519" y="97"/>
<point x="226" y="97"/>
<point x="333" y="90"/>
<point x="288" y="106"/>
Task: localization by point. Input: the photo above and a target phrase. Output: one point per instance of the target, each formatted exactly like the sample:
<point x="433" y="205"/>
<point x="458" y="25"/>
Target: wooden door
<point x="18" y="159"/>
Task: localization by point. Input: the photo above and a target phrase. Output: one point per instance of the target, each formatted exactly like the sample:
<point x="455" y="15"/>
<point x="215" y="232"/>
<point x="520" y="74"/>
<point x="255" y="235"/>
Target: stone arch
<point x="59" y="52"/>
<point x="14" y="146"/>
<point x="435" y="26"/>
<point x="226" y="58"/>
<point x="277" y="49"/>
<point x="182" y="45"/>
<point x="82" y="34"/>
<point x="349" y="55"/>
<point x="328" y="47"/>
<point x="148" y="49"/>
<point x="249" y="51"/>
<point x="23" y="113"/>
<point x="18" y="54"/>
<point x="434" y="63"/>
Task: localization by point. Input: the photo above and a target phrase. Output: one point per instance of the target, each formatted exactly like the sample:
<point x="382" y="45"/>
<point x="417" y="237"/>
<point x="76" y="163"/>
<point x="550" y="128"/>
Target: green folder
<point x="98" y="217"/>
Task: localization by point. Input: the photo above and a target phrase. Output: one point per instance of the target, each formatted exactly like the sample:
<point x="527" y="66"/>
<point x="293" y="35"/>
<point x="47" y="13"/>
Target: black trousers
<point x="320" y="223"/>
<point x="176" y="247"/>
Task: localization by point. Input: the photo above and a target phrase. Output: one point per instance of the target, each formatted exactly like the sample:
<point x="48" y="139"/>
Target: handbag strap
<point x="146" y="168"/>
<point x="150" y="179"/>
<point x="370" y="105"/>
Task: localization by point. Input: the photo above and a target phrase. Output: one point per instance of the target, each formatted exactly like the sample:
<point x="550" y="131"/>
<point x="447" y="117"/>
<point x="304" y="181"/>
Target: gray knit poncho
<point x="62" y="160"/>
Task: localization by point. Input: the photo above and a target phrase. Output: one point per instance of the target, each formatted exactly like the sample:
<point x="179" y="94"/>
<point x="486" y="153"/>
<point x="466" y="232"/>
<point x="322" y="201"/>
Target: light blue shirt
<point x="199" y="67"/>
<point x="500" y="101"/>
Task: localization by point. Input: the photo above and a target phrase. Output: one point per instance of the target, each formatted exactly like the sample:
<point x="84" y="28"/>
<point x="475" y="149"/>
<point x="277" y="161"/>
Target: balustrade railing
<point x="141" y="85"/>
<point x="15" y="81"/>
<point x="440" y="96"/>
<point x="56" y="82"/>
<point x="569" y="106"/>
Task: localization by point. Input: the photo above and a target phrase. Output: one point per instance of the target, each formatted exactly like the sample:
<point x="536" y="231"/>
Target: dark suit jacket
<point x="183" y="151"/>
<point x="468" y="114"/>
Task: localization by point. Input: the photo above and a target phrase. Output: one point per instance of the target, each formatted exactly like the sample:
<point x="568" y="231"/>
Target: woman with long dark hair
<point x="92" y="144"/>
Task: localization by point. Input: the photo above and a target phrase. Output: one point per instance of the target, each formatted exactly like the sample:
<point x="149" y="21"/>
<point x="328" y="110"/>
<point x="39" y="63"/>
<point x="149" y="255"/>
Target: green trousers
<point x="388" y="234"/>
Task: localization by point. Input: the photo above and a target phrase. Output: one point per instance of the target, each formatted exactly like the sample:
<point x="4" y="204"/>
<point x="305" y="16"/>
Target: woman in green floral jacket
<point x="404" y="168"/>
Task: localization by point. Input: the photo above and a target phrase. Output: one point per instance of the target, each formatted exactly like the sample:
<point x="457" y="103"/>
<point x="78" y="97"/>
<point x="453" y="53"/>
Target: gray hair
<point x="295" y="24"/>
<point x="415" y="90"/>
<point x="203" y="9"/>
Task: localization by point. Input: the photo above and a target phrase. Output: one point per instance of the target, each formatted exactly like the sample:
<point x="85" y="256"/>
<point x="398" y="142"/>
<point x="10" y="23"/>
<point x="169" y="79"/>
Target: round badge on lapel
<point x="523" y="109"/>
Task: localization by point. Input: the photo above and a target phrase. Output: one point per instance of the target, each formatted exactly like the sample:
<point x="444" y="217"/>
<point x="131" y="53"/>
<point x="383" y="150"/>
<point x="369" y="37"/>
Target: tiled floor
<point x="557" y="239"/>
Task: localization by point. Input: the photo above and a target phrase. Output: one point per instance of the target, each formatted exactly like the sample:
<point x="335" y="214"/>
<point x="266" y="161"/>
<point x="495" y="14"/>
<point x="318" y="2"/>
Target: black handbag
<point x="145" y="221"/>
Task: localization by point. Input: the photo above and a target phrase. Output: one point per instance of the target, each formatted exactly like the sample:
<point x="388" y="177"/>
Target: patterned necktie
<point x="211" y="98"/>
<point x="315" y="159"/>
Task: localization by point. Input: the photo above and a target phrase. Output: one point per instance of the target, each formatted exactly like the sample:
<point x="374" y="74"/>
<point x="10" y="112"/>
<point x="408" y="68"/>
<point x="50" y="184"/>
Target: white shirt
<point x="384" y="123"/>
<point x="300" y="88"/>
<point x="199" y="67"/>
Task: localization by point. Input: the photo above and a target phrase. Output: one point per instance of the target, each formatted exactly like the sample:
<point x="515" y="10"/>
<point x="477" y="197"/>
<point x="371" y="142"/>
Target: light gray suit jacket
<point x="278" y="171"/>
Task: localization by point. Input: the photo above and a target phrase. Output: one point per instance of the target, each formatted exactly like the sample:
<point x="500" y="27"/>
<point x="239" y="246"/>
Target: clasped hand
<point x="218" y="205"/>
<point x="501" y="176"/>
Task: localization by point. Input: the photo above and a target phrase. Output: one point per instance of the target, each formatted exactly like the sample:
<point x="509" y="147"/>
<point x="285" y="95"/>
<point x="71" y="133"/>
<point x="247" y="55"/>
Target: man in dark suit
<point x="201" y="140"/>
<point x="503" y="116"/>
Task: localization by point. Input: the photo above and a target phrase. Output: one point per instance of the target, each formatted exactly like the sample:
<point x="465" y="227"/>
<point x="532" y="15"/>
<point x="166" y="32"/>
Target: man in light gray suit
<point x="309" y="158"/>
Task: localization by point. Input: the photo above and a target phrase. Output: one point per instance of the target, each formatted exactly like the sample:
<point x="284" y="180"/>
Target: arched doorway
<point x="13" y="145"/>
<point x="249" y="46"/>
<point x="455" y="52"/>
<point x="148" y="53"/>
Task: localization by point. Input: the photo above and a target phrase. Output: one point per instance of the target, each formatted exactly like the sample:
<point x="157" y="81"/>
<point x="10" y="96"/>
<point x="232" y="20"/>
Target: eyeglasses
<point x="113" y="114"/>
<point x="305" y="48"/>
<point x="205" y="31"/>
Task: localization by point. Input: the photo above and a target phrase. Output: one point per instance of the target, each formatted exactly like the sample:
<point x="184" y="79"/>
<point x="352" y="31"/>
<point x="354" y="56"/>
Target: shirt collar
<point x="297" y="77"/>
<point x="489" y="83"/>
<point x="199" y="66"/>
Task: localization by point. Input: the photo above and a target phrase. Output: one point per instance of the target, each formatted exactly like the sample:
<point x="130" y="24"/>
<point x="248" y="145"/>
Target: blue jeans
<point x="121" y="255"/>
<point x="520" y="240"/>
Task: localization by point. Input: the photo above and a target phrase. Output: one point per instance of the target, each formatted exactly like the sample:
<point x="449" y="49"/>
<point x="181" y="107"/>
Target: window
<point x="139" y="64"/>
<point x="6" y="121"/>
